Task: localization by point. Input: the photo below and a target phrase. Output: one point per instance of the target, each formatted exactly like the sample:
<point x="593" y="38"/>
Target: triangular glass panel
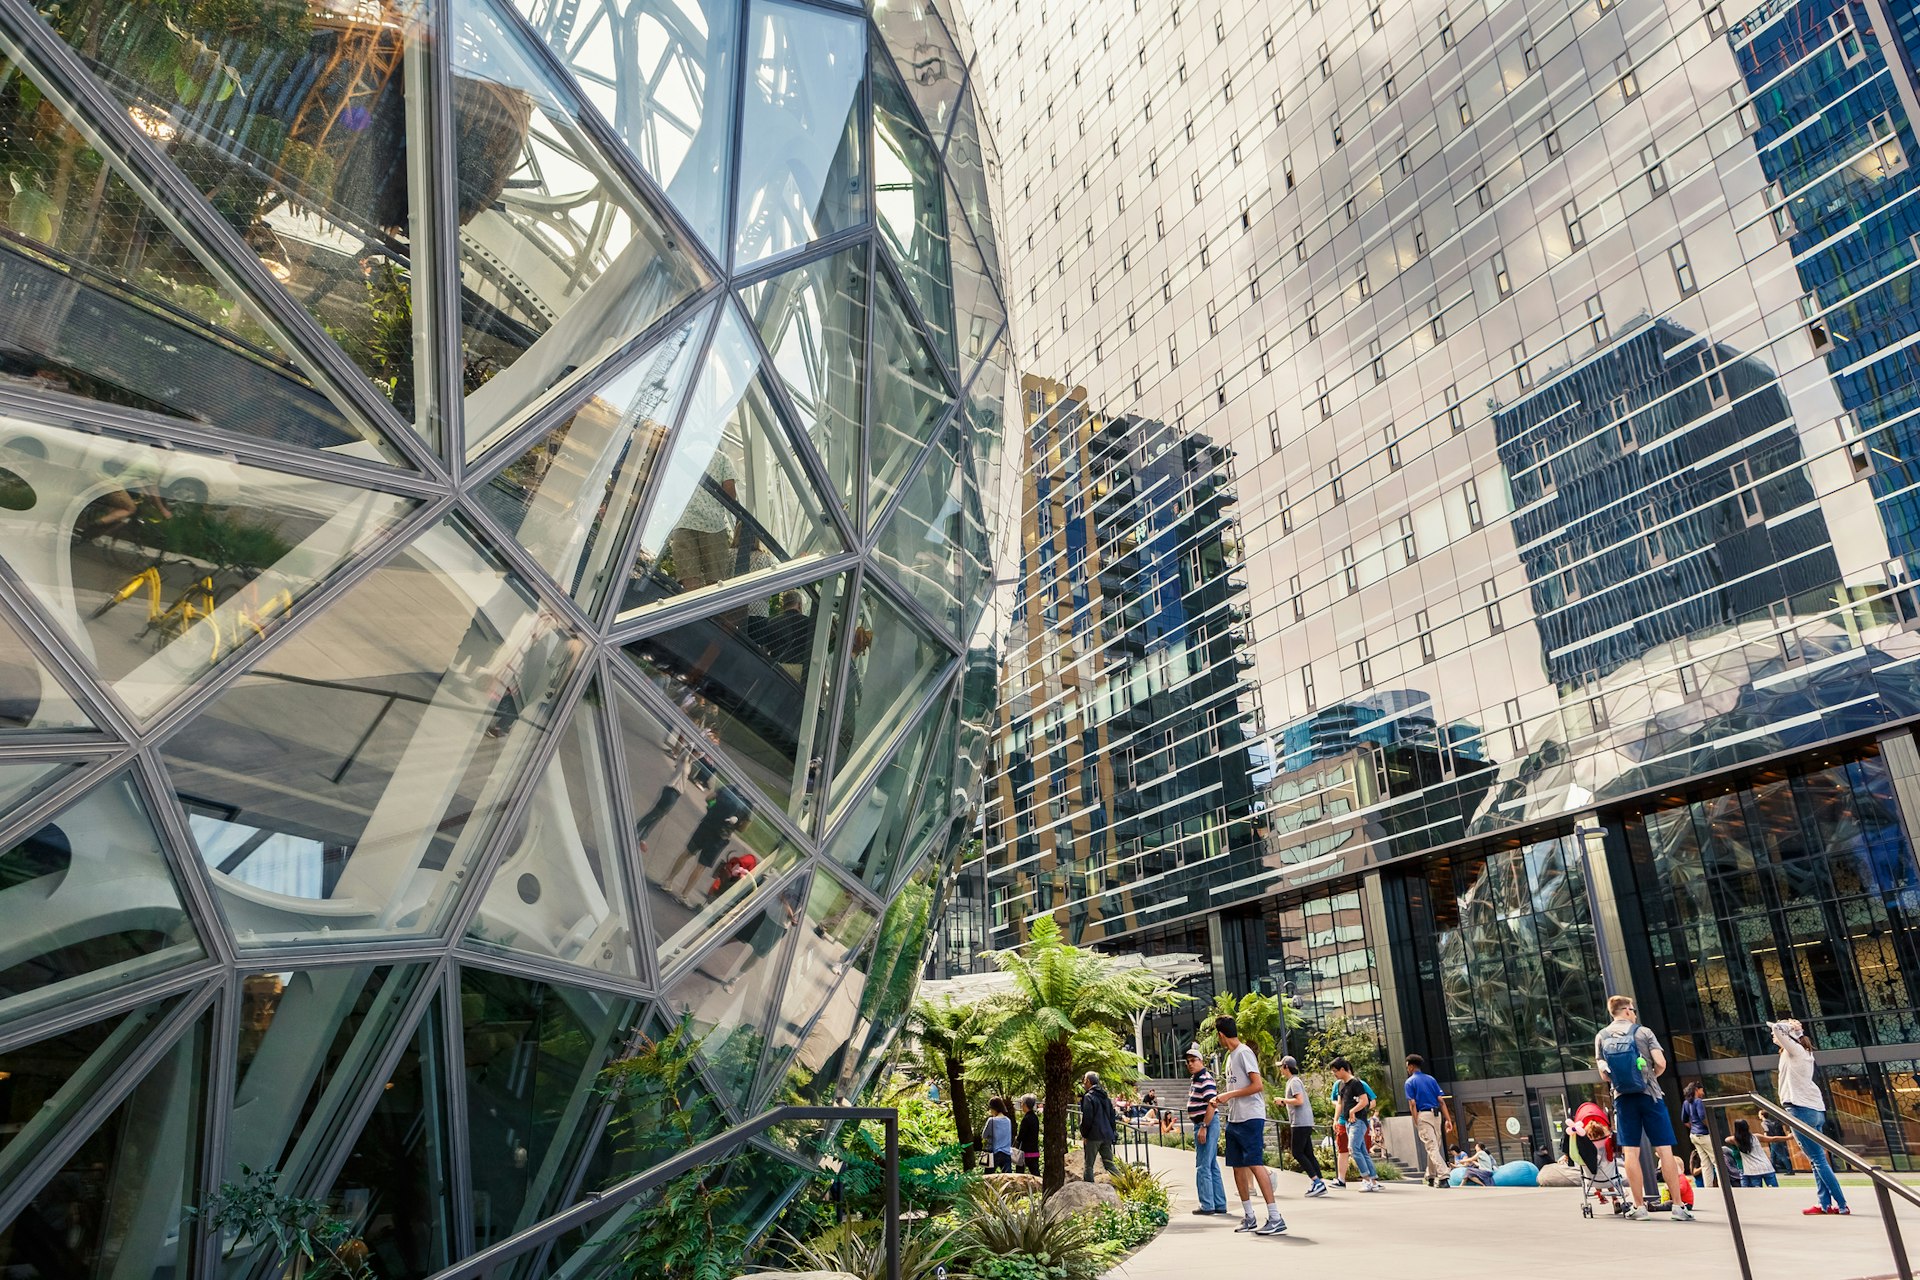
<point x="837" y="925"/>
<point x="395" y="1187"/>
<point x="971" y="164"/>
<point x="31" y="696"/>
<point x="734" y="498"/>
<point x="899" y="955"/>
<point x="759" y="684"/>
<point x="889" y="676"/>
<point x="534" y="1053"/>
<point x="920" y="545"/>
<point x="163" y="563"/>
<point x="342" y="787"/>
<point x="309" y="1041"/>
<point x="561" y="262"/>
<point x="106" y="301"/>
<point x="570" y="499"/>
<point x="663" y="72"/>
<point x="924" y="51"/>
<point x="800" y="138"/>
<point x="813" y="1077"/>
<point x="92" y="904"/>
<point x="45" y="1084"/>
<point x="937" y="801"/>
<point x="910" y="395"/>
<point x="560" y="893"/>
<point x="911" y="202"/>
<point x="979" y="312"/>
<point x="704" y="845"/>
<point x="117" y="1207"/>
<point x="730" y="993"/>
<point x="873" y="824"/>
<point x="813" y="320"/>
<point x="22" y="780"/>
<point x="976" y="550"/>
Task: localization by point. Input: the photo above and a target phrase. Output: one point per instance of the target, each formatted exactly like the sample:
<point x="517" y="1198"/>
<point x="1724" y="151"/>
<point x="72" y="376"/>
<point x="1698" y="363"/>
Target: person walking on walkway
<point x="1099" y="1124"/>
<point x="1300" y="1125"/>
<point x="1246" y="1103"/>
<point x="1355" y="1110"/>
<point x="1204" y="1112"/>
<point x="1630" y="1057"/>
<point x="1423" y="1100"/>
<point x="996" y="1139"/>
<point x="1801" y="1097"/>
<point x="1029" y="1139"/>
<point x="1693" y="1114"/>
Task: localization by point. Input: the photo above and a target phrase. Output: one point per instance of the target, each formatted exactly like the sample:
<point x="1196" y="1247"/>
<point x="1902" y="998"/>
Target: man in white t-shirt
<point x="1245" y="1099"/>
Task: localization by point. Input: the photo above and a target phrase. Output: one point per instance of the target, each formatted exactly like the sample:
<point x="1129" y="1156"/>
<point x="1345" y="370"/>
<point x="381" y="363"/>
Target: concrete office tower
<point x="1562" y="357"/>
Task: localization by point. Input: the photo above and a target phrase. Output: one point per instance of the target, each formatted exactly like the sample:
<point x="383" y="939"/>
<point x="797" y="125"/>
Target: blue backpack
<point x="1626" y="1069"/>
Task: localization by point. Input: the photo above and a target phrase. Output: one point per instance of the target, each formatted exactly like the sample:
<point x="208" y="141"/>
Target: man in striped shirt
<point x="1201" y="1110"/>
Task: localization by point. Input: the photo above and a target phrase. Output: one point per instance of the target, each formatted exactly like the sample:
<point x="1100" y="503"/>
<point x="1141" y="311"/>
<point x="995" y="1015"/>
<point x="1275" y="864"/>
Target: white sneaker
<point x="1274" y="1226"/>
<point x="1682" y="1214"/>
<point x="1638" y="1213"/>
<point x="1246" y="1224"/>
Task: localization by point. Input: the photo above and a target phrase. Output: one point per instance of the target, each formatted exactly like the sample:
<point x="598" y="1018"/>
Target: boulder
<point x="1517" y="1173"/>
<point x="1079" y="1197"/>
<point x="1013" y="1183"/>
<point x="1559" y="1175"/>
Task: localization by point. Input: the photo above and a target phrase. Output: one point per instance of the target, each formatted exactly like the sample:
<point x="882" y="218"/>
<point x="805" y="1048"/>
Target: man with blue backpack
<point x="1630" y="1057"/>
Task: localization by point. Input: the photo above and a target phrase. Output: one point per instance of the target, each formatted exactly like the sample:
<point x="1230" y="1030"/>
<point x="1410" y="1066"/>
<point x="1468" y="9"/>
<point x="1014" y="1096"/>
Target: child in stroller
<point x="1593" y="1150"/>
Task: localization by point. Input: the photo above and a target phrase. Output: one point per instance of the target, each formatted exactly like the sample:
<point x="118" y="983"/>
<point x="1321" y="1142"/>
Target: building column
<point x="1604" y="907"/>
<point x="1902" y="756"/>
<point x="1385" y="971"/>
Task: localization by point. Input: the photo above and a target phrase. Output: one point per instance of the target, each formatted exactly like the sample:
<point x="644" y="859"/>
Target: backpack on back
<point x="1626" y="1069"/>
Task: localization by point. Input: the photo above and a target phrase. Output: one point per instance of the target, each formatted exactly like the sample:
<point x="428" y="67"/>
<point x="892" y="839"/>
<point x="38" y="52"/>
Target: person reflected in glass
<point x="702" y="544"/>
<point x="785" y="637"/>
<point x="135" y="485"/>
<point x="708" y="846"/>
<point x="679" y="759"/>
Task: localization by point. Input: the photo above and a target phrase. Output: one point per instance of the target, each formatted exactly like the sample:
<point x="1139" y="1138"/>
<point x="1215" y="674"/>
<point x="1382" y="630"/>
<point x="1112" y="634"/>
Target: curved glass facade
<point x="495" y="504"/>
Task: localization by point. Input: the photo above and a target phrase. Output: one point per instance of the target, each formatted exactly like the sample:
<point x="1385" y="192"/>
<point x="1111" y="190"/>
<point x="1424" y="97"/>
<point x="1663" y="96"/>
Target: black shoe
<point x="1208" y="1213"/>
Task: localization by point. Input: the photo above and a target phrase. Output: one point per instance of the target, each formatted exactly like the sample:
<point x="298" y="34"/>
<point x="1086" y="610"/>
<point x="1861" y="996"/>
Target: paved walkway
<point x="1412" y="1232"/>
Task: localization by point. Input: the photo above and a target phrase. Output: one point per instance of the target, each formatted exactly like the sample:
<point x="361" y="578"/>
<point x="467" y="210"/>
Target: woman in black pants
<point x="1027" y="1142"/>
<point x="1300" y="1125"/>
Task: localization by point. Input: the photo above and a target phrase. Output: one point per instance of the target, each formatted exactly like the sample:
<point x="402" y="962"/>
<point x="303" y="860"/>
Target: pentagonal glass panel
<point x="734" y="498"/>
<point x="561" y="261"/>
<point x="341" y="788"/>
<point x="31" y="696"/>
<point x="813" y="320"/>
<point x="298" y="131"/>
<point x="91" y="904"/>
<point x="909" y="396"/>
<point x="979" y="314"/>
<point x="534" y="1053"/>
<point x="874" y="824"/>
<point x="571" y="497"/>
<point x="105" y="298"/>
<point x="760" y="685"/>
<point x="729" y="993"/>
<point x="920" y="544"/>
<point x="309" y="1042"/>
<point x="893" y="665"/>
<point x="704" y="845"/>
<point x="162" y="563"/>
<point x="394" y="1186"/>
<point x="44" y="1085"/>
<point x="560" y="893"/>
<point x="116" y="1208"/>
<point x="663" y="72"/>
<point x="911" y="201"/>
<point x="838" y="923"/>
<point x="800" y="138"/>
<point x="929" y="63"/>
<point x="972" y="166"/>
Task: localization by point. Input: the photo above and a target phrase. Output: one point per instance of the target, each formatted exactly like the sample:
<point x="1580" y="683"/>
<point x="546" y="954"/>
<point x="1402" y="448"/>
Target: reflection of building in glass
<point x="496" y="552"/>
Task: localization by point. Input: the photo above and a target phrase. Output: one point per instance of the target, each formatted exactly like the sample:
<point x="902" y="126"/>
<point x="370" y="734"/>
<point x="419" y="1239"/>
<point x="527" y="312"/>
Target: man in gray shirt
<point x="1630" y="1057"/>
<point x="1300" y="1125"/>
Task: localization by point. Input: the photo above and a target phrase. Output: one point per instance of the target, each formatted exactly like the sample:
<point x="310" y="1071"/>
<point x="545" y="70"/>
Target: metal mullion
<point x="557" y="409"/>
<point x="534" y="576"/>
<point x="626" y="848"/>
<point x="68" y="1015"/>
<point x="133" y="1071"/>
<point x="677" y="612"/>
<point x="167" y="192"/>
<point x="869" y="369"/>
<point x="522" y="965"/>
<point x="769" y="894"/>
<point x="222" y="1080"/>
<point x="454" y="1069"/>
<point x="937" y="689"/>
<point x="51" y="644"/>
<point x="826" y="246"/>
<point x="309" y="956"/>
<point x="155" y="431"/>
<point x="736" y="129"/>
<point x="445" y="330"/>
<point x="55" y="800"/>
<point x="202" y="902"/>
<point x="904" y="296"/>
<point x="379" y="554"/>
<point x="27" y="746"/>
<point x="650" y="484"/>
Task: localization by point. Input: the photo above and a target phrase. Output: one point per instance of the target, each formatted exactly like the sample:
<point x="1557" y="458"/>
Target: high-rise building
<point x="495" y="517"/>
<point x="1562" y="356"/>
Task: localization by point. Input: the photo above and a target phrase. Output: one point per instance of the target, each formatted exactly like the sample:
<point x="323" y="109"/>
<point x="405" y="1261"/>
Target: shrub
<point x="1017" y="1266"/>
<point x="858" y="1247"/>
<point x="1128" y="1225"/>
<point x="1137" y="1185"/>
<point x="1003" y="1225"/>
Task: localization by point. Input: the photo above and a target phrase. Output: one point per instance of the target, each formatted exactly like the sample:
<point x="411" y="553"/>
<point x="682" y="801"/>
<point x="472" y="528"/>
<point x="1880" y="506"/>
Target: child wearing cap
<point x="1201" y="1091"/>
<point x="1300" y="1125"/>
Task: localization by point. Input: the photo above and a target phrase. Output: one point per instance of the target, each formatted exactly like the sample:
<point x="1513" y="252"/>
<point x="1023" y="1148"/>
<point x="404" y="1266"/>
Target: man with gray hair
<point x="1099" y="1125"/>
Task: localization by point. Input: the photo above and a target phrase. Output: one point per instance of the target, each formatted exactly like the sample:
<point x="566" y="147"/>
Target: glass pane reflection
<point x="43" y="1084"/>
<point x="929" y="63"/>
<point x="910" y="395"/>
<point x="836" y="926"/>
<point x="341" y="787"/>
<point x="921" y="542"/>
<point x="873" y="829"/>
<point x="730" y="993"/>
<point x="163" y="563"/>
<point x="910" y="198"/>
<point x="892" y="667"/>
<point x="30" y="695"/>
<point x="800" y="166"/>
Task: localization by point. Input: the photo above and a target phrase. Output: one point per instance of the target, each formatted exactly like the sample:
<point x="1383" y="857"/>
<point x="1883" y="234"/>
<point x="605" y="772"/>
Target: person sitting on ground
<point x="1747" y="1158"/>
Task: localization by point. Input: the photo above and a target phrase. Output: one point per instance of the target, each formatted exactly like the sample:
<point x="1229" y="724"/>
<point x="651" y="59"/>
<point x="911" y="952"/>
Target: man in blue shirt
<point x="1693" y="1113"/>
<point x="1423" y="1102"/>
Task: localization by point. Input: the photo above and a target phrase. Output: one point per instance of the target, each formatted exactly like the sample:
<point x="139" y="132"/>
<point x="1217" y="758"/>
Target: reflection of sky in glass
<point x="278" y="863"/>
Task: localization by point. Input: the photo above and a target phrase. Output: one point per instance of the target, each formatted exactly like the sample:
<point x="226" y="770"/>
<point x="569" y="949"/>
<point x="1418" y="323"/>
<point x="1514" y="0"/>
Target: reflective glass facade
<point x="495" y="504"/>
<point x="1561" y="357"/>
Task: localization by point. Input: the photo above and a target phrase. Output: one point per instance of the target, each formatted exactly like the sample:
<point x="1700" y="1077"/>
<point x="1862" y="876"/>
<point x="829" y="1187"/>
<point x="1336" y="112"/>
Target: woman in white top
<point x="1747" y="1158"/>
<point x="1801" y="1097"/>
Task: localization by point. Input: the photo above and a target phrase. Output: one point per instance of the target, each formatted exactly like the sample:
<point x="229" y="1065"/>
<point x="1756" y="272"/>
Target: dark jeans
<point x="662" y="806"/>
<point x="1033" y="1163"/>
<point x="1300" y="1143"/>
<point x="1104" y="1150"/>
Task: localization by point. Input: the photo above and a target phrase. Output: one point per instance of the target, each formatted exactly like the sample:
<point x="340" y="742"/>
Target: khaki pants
<point x="1427" y="1125"/>
<point x="1703" y="1143"/>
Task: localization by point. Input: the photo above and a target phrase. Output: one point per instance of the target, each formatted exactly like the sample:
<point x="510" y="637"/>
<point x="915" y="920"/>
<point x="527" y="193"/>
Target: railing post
<point x="1898" y="1245"/>
<point x="893" y="1196"/>
<point x="1716" y="1120"/>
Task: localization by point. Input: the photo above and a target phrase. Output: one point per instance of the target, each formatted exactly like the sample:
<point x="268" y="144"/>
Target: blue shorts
<point x="1246" y="1143"/>
<point x="1643" y="1121"/>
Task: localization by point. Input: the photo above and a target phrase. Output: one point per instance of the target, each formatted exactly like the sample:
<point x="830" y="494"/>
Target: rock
<point x="1104" y="1178"/>
<point x="1079" y="1197"/>
<point x="1559" y="1175"/>
<point x="1013" y="1183"/>
<point x="1517" y="1173"/>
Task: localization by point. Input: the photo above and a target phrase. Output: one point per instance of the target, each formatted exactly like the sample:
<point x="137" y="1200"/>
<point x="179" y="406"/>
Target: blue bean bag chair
<point x="1517" y="1173"/>
<point x="1457" y="1177"/>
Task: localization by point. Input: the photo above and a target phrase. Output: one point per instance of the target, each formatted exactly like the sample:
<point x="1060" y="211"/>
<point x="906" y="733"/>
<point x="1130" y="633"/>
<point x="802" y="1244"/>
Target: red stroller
<point x="1595" y="1152"/>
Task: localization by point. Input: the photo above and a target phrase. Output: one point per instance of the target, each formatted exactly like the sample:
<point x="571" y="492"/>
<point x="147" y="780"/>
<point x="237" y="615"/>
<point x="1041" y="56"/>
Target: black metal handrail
<point x="1885" y="1188"/>
<point x="485" y="1263"/>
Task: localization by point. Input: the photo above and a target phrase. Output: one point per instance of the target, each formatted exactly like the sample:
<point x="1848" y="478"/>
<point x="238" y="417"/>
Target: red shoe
<point x="1814" y="1211"/>
<point x="1842" y="1211"/>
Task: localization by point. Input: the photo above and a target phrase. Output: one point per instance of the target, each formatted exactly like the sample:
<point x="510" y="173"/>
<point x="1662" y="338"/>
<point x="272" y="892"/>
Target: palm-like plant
<point x="1066" y="1015"/>
<point x="945" y="1031"/>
